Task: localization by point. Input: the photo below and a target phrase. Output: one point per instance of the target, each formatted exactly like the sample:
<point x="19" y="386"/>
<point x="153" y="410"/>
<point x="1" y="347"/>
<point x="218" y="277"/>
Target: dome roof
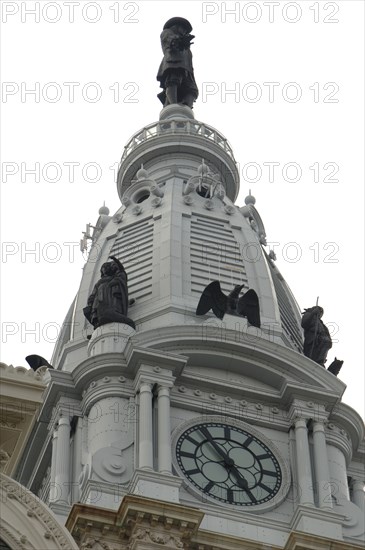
<point x="177" y="231"/>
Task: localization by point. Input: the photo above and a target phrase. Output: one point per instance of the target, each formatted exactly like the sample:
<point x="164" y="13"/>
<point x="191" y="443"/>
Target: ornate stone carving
<point x="158" y="537"/>
<point x="41" y="518"/>
<point x="188" y="200"/>
<point x="209" y="204"/>
<point x="230" y="210"/>
<point x="156" y="202"/>
<point x="94" y="544"/>
<point x="111" y="464"/>
<point x="4" y="457"/>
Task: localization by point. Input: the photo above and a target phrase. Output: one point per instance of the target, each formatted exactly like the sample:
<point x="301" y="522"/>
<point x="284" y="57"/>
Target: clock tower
<point x="176" y="430"/>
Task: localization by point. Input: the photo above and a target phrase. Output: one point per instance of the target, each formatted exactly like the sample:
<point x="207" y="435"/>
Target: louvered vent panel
<point x="134" y="248"/>
<point x="287" y="315"/>
<point x="214" y="255"/>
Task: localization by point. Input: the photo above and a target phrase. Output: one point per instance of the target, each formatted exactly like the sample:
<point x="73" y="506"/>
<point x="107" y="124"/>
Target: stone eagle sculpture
<point x="244" y="306"/>
<point x="37" y="361"/>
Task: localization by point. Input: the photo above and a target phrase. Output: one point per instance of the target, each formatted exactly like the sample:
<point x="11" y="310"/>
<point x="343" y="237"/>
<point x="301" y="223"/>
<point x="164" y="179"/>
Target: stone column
<point x="338" y="471"/>
<point x="303" y="463"/>
<point x="145" y="426"/>
<point x="321" y="466"/>
<point x="358" y="495"/>
<point x="53" y="489"/>
<point x="62" y="478"/>
<point x="164" y="430"/>
<point x="77" y="459"/>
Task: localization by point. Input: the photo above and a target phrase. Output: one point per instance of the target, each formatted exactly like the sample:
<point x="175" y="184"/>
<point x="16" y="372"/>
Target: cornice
<point x="305" y="541"/>
<point x="20" y="376"/>
<point x="138" y="518"/>
<point x="263" y="412"/>
<point x="262" y="352"/>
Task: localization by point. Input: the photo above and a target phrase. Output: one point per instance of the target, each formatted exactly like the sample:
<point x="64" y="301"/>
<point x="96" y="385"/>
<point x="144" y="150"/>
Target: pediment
<point x="224" y="376"/>
<point x="263" y="367"/>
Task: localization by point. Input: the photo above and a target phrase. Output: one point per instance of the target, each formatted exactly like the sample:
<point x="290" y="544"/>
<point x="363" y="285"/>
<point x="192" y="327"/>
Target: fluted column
<point x="164" y="430"/>
<point x="62" y="478"/>
<point x="52" y="486"/>
<point x="358" y="495"/>
<point x="321" y="466"/>
<point x="303" y="463"/>
<point x="145" y="426"/>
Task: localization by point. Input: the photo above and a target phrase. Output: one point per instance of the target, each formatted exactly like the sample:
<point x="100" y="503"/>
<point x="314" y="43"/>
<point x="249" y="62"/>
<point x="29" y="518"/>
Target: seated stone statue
<point x="317" y="339"/>
<point x="108" y="302"/>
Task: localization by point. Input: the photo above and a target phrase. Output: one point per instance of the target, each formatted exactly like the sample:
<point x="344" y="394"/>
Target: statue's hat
<point x="178" y="21"/>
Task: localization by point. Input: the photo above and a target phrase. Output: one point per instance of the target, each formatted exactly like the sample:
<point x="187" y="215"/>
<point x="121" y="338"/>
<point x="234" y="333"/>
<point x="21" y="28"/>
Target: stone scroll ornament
<point x="176" y="73"/>
<point x="108" y="302"/>
<point x="244" y="306"/>
<point x="317" y="339"/>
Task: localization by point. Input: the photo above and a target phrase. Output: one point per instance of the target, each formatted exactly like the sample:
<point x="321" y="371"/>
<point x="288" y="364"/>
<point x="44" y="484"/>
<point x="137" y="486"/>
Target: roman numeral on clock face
<point x="209" y="486"/>
<point x="192" y="472"/>
<point x="248" y="441"/>
<point x="268" y="473"/>
<point x="187" y="455"/>
<point x="265" y="487"/>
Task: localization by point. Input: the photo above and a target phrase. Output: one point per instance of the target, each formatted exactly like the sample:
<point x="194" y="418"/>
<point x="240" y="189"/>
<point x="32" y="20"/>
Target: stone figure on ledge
<point x="176" y="73"/>
<point x="108" y="302"/>
<point x="335" y="366"/>
<point x="317" y="339"/>
<point x="246" y="306"/>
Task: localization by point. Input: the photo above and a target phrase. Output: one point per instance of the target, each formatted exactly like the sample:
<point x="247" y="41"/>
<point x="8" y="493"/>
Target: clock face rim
<point x="273" y="502"/>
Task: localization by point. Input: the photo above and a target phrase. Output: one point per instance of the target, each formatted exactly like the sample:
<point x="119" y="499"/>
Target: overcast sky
<point x="294" y="118"/>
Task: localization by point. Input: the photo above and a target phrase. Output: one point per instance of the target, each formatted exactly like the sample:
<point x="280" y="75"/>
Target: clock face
<point x="228" y="464"/>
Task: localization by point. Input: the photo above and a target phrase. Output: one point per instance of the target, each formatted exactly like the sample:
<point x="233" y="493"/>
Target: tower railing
<point x="177" y="127"/>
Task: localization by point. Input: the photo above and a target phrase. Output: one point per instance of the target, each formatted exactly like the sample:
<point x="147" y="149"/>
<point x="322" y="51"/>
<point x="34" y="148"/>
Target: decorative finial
<point x="142" y="174"/>
<point x="176" y="73"/>
<point x="104" y="210"/>
<point x="250" y="199"/>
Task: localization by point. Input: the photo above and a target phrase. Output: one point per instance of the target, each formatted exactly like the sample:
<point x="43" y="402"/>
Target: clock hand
<point x="241" y="481"/>
<point x="227" y="460"/>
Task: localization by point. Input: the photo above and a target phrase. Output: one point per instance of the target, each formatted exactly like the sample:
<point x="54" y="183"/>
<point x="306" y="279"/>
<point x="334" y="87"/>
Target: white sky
<point x="228" y="54"/>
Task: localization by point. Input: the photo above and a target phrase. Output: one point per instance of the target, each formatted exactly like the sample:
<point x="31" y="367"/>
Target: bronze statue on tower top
<point x="176" y="73"/>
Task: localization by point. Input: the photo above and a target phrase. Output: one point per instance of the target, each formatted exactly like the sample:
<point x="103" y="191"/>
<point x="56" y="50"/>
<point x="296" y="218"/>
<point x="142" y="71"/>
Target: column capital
<point x="161" y="386"/>
<point x="145" y="386"/>
<point x="300" y="423"/>
<point x="148" y="374"/>
<point x="64" y="421"/>
<point x="307" y="410"/>
<point x="318" y="426"/>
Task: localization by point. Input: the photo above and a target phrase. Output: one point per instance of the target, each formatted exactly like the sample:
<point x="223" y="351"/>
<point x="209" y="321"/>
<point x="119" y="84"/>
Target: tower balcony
<point x="177" y="126"/>
<point x="178" y="134"/>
